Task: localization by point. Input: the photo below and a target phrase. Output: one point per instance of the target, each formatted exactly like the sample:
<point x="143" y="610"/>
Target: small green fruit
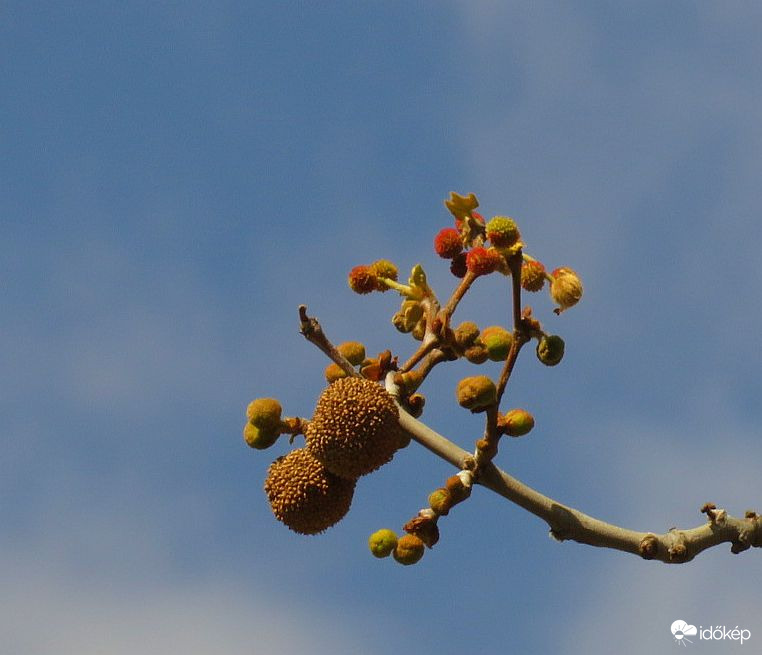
<point x="259" y="438"/>
<point x="498" y="341"/>
<point x="382" y="542"/>
<point x="550" y="349"/>
<point x="264" y="413"/>
<point x="517" y="422"/>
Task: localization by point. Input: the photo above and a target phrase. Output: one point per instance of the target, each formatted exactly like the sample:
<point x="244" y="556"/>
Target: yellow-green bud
<point x="382" y="542"/>
<point x="383" y="268"/>
<point x="259" y="438"/>
<point x="532" y="275"/>
<point x="502" y="231"/>
<point x="409" y="549"/>
<point x="498" y="341"/>
<point x="565" y="288"/>
<point x="476" y="393"/>
<point x="441" y="501"/>
<point x="516" y="422"/>
<point x="550" y="349"/>
<point x="264" y="413"/>
<point x="353" y="351"/>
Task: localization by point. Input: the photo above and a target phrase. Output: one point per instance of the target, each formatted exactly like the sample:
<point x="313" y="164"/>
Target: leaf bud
<point x="264" y="413"/>
<point x="550" y="349"/>
<point x="409" y="549"/>
<point x="334" y="372"/>
<point x="382" y="542"/>
<point x="465" y="334"/>
<point x="476" y="393"/>
<point x="516" y="422"/>
<point x="441" y="501"/>
<point x="353" y="352"/>
<point x="259" y="438"/>
<point x="497" y="340"/>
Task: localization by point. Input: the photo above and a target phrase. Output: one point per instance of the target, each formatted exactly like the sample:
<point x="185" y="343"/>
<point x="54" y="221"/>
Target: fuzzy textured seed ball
<point x="482" y="261"/>
<point x="382" y="542"/>
<point x="447" y="243"/>
<point x="362" y="280"/>
<point x="383" y="268"/>
<point x="304" y="496"/>
<point x="355" y="428"/>
<point x="532" y="276"/>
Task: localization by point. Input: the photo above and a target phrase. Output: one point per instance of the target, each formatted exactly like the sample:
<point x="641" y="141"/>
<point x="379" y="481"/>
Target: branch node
<point x="649" y="546"/>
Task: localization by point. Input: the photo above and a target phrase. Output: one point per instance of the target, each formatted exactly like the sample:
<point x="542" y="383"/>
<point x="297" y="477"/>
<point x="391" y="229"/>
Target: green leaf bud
<point x="497" y="340"/>
<point x="259" y="438"/>
<point x="440" y="501"/>
<point x="264" y="413"/>
<point x="516" y="422"/>
<point x="550" y="349"/>
<point x="382" y="542"/>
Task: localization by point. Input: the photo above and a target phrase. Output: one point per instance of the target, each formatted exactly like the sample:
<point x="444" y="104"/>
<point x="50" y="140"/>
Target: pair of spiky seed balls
<point x="354" y="431"/>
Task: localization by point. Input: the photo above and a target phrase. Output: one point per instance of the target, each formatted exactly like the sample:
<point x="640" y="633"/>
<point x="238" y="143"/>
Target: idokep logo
<point x="681" y="630"/>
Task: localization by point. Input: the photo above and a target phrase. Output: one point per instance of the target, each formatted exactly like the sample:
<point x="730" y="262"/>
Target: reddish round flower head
<point x="362" y="279"/>
<point x="482" y="261"/>
<point x="458" y="265"/>
<point x="447" y="243"/>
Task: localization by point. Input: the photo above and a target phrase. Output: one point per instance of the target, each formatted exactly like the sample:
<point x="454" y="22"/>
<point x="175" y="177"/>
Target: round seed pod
<point x="305" y="496"/>
<point x="355" y="428"/>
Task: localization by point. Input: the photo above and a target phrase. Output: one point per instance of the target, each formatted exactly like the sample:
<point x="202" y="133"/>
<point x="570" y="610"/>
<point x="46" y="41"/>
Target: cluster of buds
<point x="422" y="531"/>
<point x="355" y="427"/>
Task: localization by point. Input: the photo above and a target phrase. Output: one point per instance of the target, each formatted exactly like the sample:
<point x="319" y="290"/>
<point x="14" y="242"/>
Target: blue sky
<point x="177" y="177"/>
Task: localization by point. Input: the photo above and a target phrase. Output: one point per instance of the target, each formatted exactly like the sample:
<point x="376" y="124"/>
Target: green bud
<point x="498" y="341"/>
<point x="550" y="349"/>
<point x="264" y="413"/>
<point x="382" y="542"/>
<point x="259" y="438"/>
<point x="516" y="423"/>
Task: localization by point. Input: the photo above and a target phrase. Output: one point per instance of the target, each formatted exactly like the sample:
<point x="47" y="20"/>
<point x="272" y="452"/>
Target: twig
<point x="566" y="523"/>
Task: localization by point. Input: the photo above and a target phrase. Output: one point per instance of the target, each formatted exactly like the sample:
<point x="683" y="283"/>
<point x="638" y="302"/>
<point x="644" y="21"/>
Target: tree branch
<point x="567" y="523"/>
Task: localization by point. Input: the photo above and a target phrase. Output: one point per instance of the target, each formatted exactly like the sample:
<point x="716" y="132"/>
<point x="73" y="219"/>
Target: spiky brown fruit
<point x="355" y="428"/>
<point x="304" y="495"/>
